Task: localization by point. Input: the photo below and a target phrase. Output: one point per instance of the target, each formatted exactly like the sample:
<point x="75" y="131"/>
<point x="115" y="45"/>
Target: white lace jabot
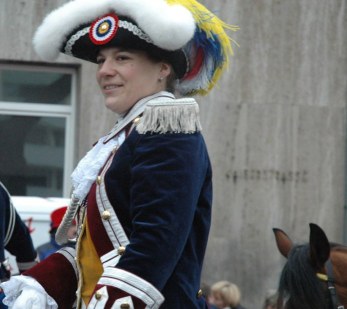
<point x="88" y="168"/>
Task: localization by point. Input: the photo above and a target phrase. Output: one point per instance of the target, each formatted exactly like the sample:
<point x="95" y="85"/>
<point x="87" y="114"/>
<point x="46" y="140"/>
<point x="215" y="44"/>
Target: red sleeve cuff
<point x="57" y="275"/>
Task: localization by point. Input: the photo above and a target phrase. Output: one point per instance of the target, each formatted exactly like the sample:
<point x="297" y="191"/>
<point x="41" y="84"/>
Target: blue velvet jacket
<point x="164" y="204"/>
<point x="159" y="188"/>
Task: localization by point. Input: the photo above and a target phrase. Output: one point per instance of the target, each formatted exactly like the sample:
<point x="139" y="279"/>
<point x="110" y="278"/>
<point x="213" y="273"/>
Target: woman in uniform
<point x="142" y="195"/>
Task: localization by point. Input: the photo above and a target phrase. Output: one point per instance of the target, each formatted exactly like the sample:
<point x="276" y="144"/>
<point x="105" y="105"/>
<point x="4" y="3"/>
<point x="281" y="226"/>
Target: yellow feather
<point x="212" y="26"/>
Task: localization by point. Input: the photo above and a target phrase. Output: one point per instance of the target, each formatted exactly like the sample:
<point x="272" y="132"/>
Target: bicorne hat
<point x="183" y="32"/>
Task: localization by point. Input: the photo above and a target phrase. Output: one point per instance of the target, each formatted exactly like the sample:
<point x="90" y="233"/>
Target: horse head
<point x="313" y="272"/>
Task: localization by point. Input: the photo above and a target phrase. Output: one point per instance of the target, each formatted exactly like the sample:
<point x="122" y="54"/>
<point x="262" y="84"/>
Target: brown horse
<point x="315" y="274"/>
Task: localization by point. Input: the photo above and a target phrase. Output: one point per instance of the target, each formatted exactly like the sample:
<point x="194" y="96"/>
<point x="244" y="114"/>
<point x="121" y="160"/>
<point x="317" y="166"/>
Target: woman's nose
<point x="107" y="68"/>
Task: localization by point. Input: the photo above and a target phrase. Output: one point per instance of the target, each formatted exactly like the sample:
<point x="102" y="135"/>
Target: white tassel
<point x="174" y="116"/>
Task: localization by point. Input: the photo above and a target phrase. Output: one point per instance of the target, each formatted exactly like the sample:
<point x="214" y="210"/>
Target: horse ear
<point x="284" y="243"/>
<point x="319" y="246"/>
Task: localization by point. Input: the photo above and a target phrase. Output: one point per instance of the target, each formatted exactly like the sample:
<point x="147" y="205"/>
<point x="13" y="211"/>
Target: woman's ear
<point x="165" y="70"/>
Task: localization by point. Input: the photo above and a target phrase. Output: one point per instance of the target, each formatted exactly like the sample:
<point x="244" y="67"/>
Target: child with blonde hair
<point x="226" y="295"/>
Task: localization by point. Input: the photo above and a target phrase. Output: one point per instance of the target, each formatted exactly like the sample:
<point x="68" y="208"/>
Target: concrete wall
<point x="276" y="131"/>
<point x="275" y="127"/>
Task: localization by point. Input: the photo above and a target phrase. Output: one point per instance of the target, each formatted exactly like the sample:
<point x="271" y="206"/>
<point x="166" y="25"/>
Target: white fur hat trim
<point x="169" y="26"/>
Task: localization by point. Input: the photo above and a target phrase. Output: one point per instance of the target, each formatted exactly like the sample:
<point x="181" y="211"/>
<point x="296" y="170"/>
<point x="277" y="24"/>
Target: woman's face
<point x="126" y="76"/>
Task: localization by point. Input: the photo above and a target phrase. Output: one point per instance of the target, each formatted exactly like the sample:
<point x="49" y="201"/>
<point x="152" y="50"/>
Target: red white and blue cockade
<point x="104" y="29"/>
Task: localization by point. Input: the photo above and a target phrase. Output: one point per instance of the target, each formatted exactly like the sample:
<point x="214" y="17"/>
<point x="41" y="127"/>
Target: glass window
<point x="32" y="155"/>
<point x="37" y="112"/>
<point x="35" y="87"/>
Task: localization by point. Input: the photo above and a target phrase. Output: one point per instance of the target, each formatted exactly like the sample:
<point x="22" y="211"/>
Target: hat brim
<point x="81" y="44"/>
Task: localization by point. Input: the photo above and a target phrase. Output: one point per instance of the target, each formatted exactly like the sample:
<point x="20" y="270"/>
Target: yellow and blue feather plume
<point x="208" y="51"/>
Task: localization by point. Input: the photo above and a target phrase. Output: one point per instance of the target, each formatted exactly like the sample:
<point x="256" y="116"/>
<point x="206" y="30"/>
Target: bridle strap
<point x="329" y="279"/>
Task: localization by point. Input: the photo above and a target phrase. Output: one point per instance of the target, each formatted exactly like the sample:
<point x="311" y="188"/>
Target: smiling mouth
<point x="111" y="87"/>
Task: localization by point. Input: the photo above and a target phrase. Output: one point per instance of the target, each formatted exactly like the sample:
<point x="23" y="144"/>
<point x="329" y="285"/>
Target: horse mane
<point x="299" y="277"/>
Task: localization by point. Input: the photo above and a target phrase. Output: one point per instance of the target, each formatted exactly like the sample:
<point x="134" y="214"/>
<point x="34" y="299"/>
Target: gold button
<point x="136" y="120"/>
<point x="124" y="306"/>
<point x="199" y="294"/>
<point x="104" y="28"/>
<point x="121" y="250"/>
<point x="98" y="180"/>
<point x="106" y="215"/>
<point x="98" y="295"/>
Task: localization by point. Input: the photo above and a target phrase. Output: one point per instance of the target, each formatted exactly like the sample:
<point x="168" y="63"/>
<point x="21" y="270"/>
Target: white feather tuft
<point x="171" y="29"/>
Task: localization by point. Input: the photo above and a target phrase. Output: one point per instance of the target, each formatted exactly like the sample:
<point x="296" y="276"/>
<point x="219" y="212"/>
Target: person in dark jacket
<point x="15" y="238"/>
<point x="142" y="195"/>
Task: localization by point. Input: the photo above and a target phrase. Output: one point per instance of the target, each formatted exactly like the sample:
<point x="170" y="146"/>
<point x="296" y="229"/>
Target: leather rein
<point x="329" y="279"/>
